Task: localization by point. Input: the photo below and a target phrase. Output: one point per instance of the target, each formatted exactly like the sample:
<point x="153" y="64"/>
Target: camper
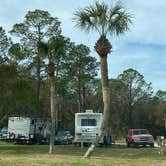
<point x="87" y="126"/>
<point x="35" y="130"/>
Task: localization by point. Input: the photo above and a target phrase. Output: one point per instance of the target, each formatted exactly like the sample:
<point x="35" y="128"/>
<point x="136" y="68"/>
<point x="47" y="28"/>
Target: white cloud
<point x="148" y="25"/>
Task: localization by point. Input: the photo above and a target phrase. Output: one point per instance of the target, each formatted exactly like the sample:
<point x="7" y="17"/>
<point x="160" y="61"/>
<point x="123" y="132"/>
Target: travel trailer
<point x="28" y="129"/>
<point x="87" y="125"/>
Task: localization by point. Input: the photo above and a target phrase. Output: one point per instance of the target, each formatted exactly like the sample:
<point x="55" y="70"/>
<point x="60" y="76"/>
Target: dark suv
<point x="63" y="137"/>
<point x="139" y="137"/>
<point x="3" y="133"/>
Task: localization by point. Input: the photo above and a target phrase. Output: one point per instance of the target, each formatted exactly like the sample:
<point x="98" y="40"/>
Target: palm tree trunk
<point x="105" y="91"/>
<point x="106" y="101"/>
<point x="52" y="99"/>
<point x="56" y="112"/>
<point x="38" y="65"/>
<point x="79" y="94"/>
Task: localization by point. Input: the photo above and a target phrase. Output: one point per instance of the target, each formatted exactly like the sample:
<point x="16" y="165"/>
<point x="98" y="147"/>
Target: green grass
<point x="69" y="155"/>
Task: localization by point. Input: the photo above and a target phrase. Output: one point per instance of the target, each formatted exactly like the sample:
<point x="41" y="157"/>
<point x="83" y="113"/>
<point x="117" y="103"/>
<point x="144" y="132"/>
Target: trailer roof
<point x="85" y="113"/>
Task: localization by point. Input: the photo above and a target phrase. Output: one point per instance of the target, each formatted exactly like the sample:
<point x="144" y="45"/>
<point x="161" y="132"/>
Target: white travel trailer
<point x="87" y="125"/>
<point x="30" y="129"/>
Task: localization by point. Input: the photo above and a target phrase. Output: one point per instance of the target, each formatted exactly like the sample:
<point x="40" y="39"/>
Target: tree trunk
<point x="83" y="99"/>
<point x="38" y="79"/>
<point x="56" y="112"/>
<point x="52" y="99"/>
<point x="38" y="65"/>
<point x="79" y="94"/>
<point x="130" y="123"/>
<point x="165" y="121"/>
<point x="106" y="101"/>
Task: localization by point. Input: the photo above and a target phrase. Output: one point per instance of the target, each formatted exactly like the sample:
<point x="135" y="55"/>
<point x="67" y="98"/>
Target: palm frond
<point x="92" y="17"/>
<point x="82" y="20"/>
<point x="102" y="15"/>
<point x="120" y="23"/>
<point x="115" y="9"/>
<point x="104" y="19"/>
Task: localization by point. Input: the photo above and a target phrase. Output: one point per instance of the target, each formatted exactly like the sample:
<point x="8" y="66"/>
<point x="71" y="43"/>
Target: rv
<point x="87" y="126"/>
<point x="28" y="129"/>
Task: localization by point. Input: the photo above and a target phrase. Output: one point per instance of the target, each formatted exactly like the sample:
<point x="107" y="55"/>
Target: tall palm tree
<point x="113" y="20"/>
<point x="44" y="50"/>
<point x="54" y="49"/>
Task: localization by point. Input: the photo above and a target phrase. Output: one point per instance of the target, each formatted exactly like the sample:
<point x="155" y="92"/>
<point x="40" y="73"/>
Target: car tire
<point x="128" y="144"/>
<point x="152" y="145"/>
<point x="67" y="142"/>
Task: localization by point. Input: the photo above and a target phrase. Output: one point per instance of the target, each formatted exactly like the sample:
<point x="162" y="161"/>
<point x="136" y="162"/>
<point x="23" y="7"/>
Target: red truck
<point x="139" y="137"/>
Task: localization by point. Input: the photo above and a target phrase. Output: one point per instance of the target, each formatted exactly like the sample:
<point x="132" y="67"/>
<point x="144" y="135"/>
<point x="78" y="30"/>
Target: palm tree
<point x="106" y="21"/>
<point x="54" y="49"/>
<point x="44" y="50"/>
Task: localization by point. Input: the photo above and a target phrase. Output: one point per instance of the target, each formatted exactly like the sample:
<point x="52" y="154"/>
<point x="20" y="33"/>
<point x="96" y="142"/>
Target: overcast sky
<point x="142" y="48"/>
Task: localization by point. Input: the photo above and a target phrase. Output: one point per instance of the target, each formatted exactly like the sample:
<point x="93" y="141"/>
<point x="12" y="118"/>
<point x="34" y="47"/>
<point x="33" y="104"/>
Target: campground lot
<point x="69" y="155"/>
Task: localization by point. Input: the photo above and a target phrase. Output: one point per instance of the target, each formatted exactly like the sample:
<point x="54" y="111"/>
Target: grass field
<point x="69" y="155"/>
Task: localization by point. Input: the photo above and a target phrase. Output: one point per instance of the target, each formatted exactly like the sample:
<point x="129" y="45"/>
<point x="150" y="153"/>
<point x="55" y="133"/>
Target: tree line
<point x="24" y="85"/>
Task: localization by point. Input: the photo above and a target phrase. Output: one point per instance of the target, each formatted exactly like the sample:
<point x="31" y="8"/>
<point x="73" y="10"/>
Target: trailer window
<point x="88" y="122"/>
<point x="139" y="132"/>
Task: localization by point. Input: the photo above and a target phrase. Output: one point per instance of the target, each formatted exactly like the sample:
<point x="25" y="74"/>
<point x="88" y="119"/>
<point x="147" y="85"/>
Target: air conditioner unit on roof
<point x="89" y="111"/>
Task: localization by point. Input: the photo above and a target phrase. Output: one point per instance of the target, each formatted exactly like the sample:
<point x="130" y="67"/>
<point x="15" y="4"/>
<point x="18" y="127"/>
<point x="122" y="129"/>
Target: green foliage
<point x="137" y="90"/>
<point x="82" y="66"/>
<point x="136" y="83"/>
<point x="39" y="26"/>
<point x="58" y="53"/>
<point x="103" y="19"/>
<point x="4" y="46"/>
<point x="161" y="95"/>
<point x="81" y="70"/>
<point x="17" y="94"/>
<point x="19" y="54"/>
<point x="119" y="107"/>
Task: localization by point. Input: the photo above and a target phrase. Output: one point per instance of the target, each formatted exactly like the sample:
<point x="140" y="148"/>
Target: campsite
<point x="82" y="83"/>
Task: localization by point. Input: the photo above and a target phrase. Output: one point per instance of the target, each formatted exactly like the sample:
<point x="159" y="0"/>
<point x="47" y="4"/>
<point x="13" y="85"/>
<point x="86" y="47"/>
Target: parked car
<point x="3" y="133"/>
<point x="107" y="140"/>
<point x="139" y="137"/>
<point x="63" y="137"/>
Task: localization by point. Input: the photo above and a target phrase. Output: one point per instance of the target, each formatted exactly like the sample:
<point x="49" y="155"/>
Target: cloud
<point x="148" y="59"/>
<point x="148" y="23"/>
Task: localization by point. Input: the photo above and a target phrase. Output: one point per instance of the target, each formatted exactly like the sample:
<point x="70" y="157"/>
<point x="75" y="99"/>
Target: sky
<point x="142" y="48"/>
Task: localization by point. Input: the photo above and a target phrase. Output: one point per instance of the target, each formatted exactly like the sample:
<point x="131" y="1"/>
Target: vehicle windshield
<point x="63" y="133"/>
<point x="4" y="130"/>
<point x="139" y="132"/>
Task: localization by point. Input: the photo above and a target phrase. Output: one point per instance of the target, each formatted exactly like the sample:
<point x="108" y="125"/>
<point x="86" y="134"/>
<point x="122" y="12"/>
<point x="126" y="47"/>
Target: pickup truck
<point x="139" y="137"/>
